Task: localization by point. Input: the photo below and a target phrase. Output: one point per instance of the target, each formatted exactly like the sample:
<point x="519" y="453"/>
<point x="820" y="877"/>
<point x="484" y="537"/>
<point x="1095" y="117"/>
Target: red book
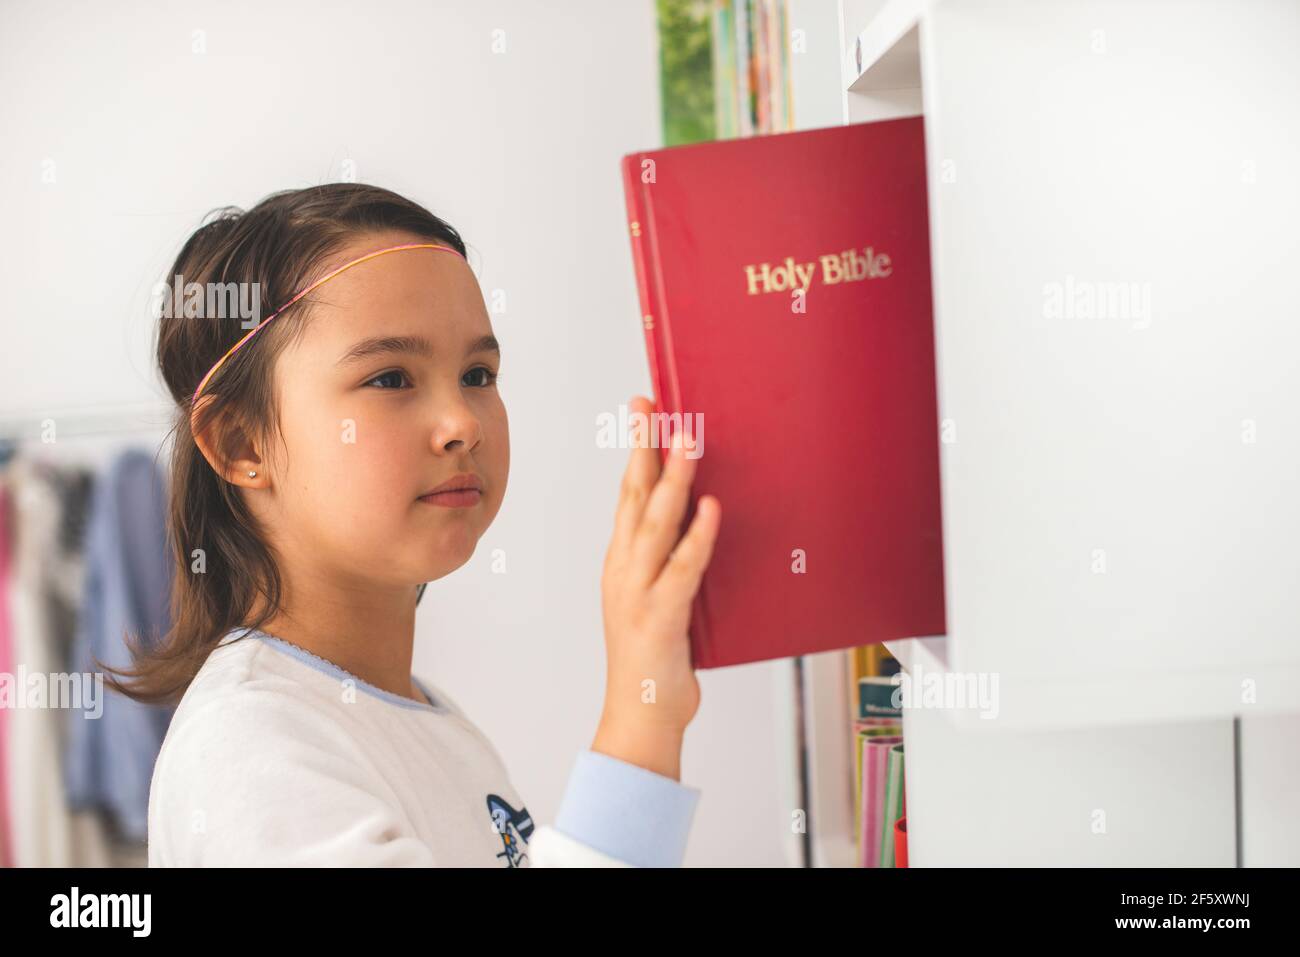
<point x="785" y="295"/>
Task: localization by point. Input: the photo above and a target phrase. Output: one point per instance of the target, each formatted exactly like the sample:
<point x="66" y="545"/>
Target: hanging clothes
<point x="65" y="564"/>
<point x="47" y="570"/>
<point x="6" y="671"/>
<point x="109" y="760"/>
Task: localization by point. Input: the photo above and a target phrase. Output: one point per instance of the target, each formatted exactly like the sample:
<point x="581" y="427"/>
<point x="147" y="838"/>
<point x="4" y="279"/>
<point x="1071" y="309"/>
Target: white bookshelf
<point x="885" y="54"/>
<point x="1118" y="552"/>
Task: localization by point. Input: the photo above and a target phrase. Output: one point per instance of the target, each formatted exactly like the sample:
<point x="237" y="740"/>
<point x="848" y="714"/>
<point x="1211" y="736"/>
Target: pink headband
<point x="252" y="332"/>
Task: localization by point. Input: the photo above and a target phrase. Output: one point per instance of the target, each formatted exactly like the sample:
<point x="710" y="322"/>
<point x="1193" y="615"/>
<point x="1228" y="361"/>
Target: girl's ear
<point x="227" y="446"/>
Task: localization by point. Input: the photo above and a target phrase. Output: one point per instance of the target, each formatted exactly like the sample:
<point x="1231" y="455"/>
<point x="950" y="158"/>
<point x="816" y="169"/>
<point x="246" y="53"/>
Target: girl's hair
<point x="280" y="244"/>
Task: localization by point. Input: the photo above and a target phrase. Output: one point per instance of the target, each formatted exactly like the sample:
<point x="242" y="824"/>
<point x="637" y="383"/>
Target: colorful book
<point x="785" y="298"/>
<point x="868" y="728"/>
<point x="895" y="804"/>
<point x="876" y="697"/>
<point x="875" y="797"/>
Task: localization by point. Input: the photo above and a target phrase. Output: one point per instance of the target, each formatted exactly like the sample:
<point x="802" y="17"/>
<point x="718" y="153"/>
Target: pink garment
<point x="6" y="663"/>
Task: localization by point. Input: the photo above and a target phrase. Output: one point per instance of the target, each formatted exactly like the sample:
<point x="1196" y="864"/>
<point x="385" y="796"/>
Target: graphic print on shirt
<point x="513" y="826"/>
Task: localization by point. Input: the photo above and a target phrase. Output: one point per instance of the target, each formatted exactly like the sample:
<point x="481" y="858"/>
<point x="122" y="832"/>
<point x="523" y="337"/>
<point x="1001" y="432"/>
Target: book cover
<point x="784" y="283"/>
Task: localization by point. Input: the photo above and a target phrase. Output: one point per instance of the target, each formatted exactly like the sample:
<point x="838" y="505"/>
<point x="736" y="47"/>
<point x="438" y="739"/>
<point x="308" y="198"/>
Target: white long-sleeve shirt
<point x="278" y="757"/>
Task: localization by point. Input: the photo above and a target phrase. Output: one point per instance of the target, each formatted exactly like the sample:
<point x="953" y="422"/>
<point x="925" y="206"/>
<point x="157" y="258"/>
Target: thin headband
<point x="252" y="332"/>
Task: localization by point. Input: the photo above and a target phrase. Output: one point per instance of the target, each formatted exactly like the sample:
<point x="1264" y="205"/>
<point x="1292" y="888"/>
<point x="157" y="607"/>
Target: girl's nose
<point x="455" y="428"/>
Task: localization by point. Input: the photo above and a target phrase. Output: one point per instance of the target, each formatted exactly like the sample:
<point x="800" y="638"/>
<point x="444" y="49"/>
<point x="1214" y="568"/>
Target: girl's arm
<point x="624" y="802"/>
<point x="651" y="574"/>
<point x="616" y="814"/>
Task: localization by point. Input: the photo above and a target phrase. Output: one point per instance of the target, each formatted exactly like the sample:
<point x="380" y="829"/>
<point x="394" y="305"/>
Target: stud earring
<point x="252" y="474"/>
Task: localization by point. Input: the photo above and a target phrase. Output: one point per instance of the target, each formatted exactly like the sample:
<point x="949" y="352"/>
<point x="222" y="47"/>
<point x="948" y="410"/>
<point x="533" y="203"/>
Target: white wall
<point x="519" y="151"/>
<point x="815" y="66"/>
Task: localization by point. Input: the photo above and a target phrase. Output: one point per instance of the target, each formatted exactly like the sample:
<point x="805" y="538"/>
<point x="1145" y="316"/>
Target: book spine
<point x="653" y="322"/>
<point x="644" y="268"/>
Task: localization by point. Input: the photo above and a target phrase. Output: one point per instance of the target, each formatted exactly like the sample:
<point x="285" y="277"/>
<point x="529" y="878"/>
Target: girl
<point x="327" y="462"/>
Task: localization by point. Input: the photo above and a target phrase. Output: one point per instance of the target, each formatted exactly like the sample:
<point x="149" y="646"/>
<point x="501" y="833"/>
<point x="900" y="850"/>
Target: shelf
<point x="1027" y="702"/>
<point x="1117" y="540"/>
<point x="886" y="55"/>
<point x="930" y="653"/>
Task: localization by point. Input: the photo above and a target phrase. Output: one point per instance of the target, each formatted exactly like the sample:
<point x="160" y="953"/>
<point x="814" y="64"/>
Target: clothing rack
<point x="83" y="539"/>
<point x="84" y="421"/>
<point x="146" y="421"/>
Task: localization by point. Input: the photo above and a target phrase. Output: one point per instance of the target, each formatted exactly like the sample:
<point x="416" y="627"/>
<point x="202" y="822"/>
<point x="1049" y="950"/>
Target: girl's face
<point x="388" y="393"/>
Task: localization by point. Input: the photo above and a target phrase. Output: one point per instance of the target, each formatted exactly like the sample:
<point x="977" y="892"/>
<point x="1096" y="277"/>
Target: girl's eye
<point x="489" y="377"/>
<point x="479" y="377"/>
<point x="389" y="377"/>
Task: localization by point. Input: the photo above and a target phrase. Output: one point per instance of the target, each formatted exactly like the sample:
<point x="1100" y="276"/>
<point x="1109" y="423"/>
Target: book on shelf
<point x="784" y="283"/>
<point x="868" y="661"/>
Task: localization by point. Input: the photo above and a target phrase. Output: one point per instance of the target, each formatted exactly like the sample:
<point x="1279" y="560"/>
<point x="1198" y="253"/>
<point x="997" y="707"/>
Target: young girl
<point x="328" y="461"/>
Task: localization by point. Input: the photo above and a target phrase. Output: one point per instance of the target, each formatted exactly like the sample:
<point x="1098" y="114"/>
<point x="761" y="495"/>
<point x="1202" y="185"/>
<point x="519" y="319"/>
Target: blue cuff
<point x="627" y="811"/>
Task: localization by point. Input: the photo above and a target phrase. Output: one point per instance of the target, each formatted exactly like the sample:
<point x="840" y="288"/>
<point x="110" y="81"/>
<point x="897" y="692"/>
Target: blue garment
<point x="108" y="762"/>
<point x="626" y="811"/>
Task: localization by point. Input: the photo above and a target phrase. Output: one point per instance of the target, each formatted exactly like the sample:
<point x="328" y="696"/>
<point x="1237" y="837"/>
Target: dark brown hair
<point x="280" y="244"/>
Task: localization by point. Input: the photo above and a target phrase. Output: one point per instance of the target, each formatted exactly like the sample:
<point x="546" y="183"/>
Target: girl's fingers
<point x="639" y="477"/>
<point x="661" y="522"/>
<point x="690" y="558"/>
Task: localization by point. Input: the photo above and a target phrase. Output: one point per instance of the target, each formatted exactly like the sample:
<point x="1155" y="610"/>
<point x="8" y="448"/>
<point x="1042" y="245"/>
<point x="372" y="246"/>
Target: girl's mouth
<point x="460" y="491"/>
<point x="459" y="498"/>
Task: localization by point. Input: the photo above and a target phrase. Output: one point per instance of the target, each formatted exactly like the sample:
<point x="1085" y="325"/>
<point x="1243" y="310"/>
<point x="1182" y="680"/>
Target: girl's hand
<point x="650" y="578"/>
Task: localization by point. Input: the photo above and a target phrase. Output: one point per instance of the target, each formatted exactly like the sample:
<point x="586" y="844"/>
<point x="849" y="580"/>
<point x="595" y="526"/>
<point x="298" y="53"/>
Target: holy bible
<point x="785" y="297"/>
